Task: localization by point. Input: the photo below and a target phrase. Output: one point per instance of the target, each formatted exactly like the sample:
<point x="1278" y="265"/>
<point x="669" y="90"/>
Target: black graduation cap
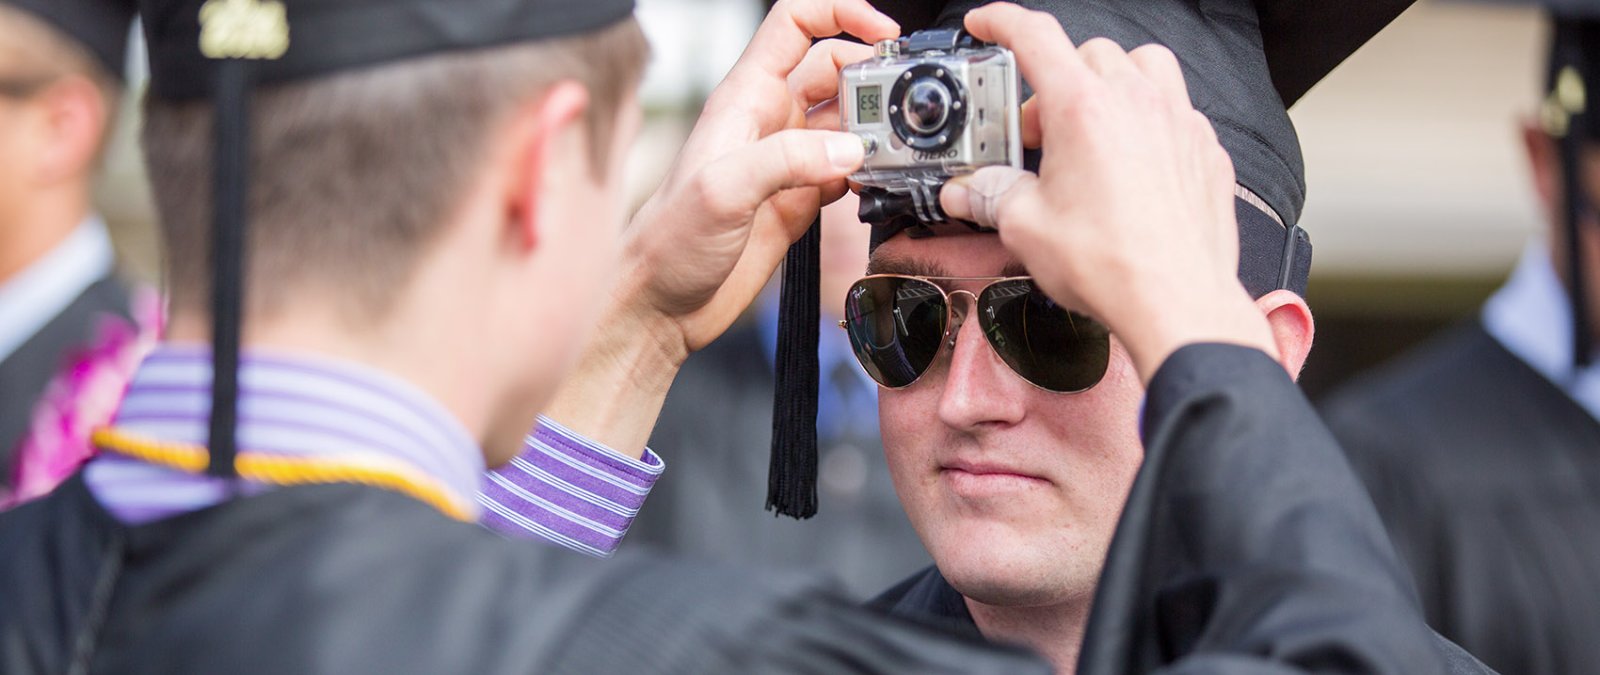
<point x="1245" y="61"/>
<point x="222" y="48"/>
<point x="101" y="26"/>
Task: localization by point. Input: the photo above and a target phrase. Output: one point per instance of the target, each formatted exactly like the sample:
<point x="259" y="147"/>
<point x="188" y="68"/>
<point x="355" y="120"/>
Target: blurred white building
<point x="1413" y="164"/>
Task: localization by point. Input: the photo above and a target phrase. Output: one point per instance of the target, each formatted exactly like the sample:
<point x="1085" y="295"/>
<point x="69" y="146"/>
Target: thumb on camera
<point x="983" y="196"/>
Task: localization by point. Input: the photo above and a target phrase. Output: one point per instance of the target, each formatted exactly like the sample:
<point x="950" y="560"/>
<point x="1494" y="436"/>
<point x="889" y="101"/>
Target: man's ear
<point x="76" y="115"/>
<point x="1292" y="327"/>
<point x="1544" y="166"/>
<point x="549" y="146"/>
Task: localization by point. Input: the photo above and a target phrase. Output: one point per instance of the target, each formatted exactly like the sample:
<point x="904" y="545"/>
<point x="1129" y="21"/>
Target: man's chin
<point x="1006" y="590"/>
<point x="997" y="564"/>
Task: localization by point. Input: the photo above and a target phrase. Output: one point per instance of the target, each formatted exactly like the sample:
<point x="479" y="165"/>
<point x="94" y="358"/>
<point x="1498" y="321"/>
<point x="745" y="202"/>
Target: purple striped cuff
<point x="569" y="490"/>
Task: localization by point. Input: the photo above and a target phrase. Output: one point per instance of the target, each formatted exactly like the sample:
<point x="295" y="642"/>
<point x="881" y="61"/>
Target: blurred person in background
<point x="709" y="504"/>
<point x="1482" y="448"/>
<point x="67" y="329"/>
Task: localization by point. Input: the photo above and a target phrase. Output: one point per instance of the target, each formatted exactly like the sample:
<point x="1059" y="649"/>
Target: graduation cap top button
<point x="1567" y="99"/>
<point x="1570" y="91"/>
<point x="243" y="29"/>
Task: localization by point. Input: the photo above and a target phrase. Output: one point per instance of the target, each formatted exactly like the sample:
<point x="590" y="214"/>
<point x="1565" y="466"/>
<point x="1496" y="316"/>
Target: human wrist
<point x="615" y="393"/>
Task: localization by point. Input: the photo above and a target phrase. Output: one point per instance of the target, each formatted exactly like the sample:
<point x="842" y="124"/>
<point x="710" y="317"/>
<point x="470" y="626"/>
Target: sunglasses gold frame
<point x="954" y="321"/>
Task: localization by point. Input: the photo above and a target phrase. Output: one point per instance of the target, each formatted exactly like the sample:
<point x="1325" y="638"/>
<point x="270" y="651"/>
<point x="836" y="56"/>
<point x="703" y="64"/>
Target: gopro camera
<point x="930" y="106"/>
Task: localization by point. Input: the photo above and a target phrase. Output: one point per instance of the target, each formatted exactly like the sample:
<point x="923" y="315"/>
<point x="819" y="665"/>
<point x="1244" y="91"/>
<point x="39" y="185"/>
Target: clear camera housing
<point x="931" y="106"/>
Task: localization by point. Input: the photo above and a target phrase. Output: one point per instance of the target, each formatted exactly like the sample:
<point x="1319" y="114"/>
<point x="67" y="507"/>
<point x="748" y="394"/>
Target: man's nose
<point x="979" y="389"/>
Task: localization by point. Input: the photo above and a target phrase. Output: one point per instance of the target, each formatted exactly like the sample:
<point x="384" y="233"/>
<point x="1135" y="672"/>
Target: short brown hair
<point x="354" y="174"/>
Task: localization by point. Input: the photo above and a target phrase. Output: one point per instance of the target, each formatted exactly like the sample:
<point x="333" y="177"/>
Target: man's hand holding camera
<point x="1131" y="217"/>
<point x="762" y="159"/>
<point x="764" y="156"/>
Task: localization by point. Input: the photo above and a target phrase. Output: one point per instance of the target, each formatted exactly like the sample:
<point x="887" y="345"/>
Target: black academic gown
<point x="928" y="597"/>
<point x="1488" y="478"/>
<point x="1246" y="545"/>
<point x="351" y="579"/>
<point x="28" y="370"/>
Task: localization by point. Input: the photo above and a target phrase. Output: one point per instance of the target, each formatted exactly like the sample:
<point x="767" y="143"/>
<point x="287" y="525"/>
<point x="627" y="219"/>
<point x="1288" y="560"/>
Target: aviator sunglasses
<point x="898" y="324"/>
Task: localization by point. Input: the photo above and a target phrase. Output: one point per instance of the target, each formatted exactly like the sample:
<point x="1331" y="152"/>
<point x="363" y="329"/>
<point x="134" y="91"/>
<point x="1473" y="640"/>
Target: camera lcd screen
<point x="869" y="105"/>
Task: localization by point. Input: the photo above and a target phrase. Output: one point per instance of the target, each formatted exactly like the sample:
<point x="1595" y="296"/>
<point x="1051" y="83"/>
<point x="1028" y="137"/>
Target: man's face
<point x="19" y="124"/>
<point x="595" y="202"/>
<point x="1545" y="161"/>
<point x="567" y="285"/>
<point x="1014" y="490"/>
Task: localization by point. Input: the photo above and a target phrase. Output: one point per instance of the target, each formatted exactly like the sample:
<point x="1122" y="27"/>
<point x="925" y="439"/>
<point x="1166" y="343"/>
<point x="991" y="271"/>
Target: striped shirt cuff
<point x="569" y="490"/>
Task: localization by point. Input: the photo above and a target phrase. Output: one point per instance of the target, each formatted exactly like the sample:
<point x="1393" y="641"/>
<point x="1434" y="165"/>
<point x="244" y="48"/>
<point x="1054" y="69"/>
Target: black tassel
<point x="228" y="234"/>
<point x="1568" y="105"/>
<point x="1577" y="289"/>
<point x="792" y="476"/>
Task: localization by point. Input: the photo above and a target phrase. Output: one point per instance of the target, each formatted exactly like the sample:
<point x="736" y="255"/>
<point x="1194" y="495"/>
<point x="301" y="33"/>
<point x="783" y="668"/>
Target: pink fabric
<point x="83" y="396"/>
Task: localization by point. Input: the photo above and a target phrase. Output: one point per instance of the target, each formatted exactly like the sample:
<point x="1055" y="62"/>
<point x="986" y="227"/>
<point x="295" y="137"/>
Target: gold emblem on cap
<point x="1568" y="98"/>
<point x="244" y="29"/>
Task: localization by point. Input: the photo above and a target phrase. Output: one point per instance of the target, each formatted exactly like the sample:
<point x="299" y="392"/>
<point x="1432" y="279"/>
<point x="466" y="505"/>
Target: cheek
<point x="577" y="264"/>
<point x="1105" y="447"/>
<point x="12" y="148"/>
<point x="899" y="435"/>
<point x="591" y="221"/>
<point x="911" y="433"/>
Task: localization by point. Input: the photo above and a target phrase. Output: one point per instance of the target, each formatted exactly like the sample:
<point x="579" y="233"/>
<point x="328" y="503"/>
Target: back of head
<point x="354" y="170"/>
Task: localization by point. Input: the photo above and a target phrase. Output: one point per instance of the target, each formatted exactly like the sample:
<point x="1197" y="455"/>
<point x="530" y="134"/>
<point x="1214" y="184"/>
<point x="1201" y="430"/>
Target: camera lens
<point x="927" y="106"/>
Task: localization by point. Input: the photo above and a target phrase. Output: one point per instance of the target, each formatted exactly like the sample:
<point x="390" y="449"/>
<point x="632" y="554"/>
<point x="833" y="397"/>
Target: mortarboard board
<point x="221" y="49"/>
<point x="101" y="26"/>
<point x="1245" y="62"/>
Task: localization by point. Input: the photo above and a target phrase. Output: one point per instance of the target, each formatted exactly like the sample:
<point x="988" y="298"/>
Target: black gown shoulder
<point x="350" y="579"/>
<point x="928" y="597"/>
<point x="1247" y="544"/>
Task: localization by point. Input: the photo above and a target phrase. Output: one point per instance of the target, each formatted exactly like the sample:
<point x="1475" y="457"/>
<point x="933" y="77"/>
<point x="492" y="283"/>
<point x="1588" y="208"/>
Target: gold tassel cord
<point x="288" y="470"/>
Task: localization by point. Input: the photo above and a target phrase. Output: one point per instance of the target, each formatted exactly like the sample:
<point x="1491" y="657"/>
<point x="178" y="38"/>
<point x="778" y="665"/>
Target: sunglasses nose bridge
<point x="958" y="314"/>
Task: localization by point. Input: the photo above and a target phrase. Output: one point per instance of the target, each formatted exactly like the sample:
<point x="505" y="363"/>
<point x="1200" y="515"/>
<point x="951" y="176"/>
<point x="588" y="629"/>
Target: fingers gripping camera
<point x="930" y="106"/>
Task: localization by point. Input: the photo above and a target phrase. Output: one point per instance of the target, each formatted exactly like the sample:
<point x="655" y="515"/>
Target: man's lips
<point x="976" y="478"/>
<point x="987" y="468"/>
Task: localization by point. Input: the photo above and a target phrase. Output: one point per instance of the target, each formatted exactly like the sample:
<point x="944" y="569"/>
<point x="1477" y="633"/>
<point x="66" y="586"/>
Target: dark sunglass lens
<point x="1046" y="344"/>
<point x="895" y="326"/>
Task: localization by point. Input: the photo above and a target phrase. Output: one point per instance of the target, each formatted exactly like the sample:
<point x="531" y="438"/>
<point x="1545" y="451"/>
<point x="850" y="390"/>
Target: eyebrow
<point x="902" y="265"/>
<point x="922" y="268"/>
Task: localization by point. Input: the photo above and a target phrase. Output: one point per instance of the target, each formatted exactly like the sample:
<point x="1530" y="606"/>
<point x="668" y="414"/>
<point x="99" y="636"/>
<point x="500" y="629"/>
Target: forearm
<point x="615" y="393"/>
